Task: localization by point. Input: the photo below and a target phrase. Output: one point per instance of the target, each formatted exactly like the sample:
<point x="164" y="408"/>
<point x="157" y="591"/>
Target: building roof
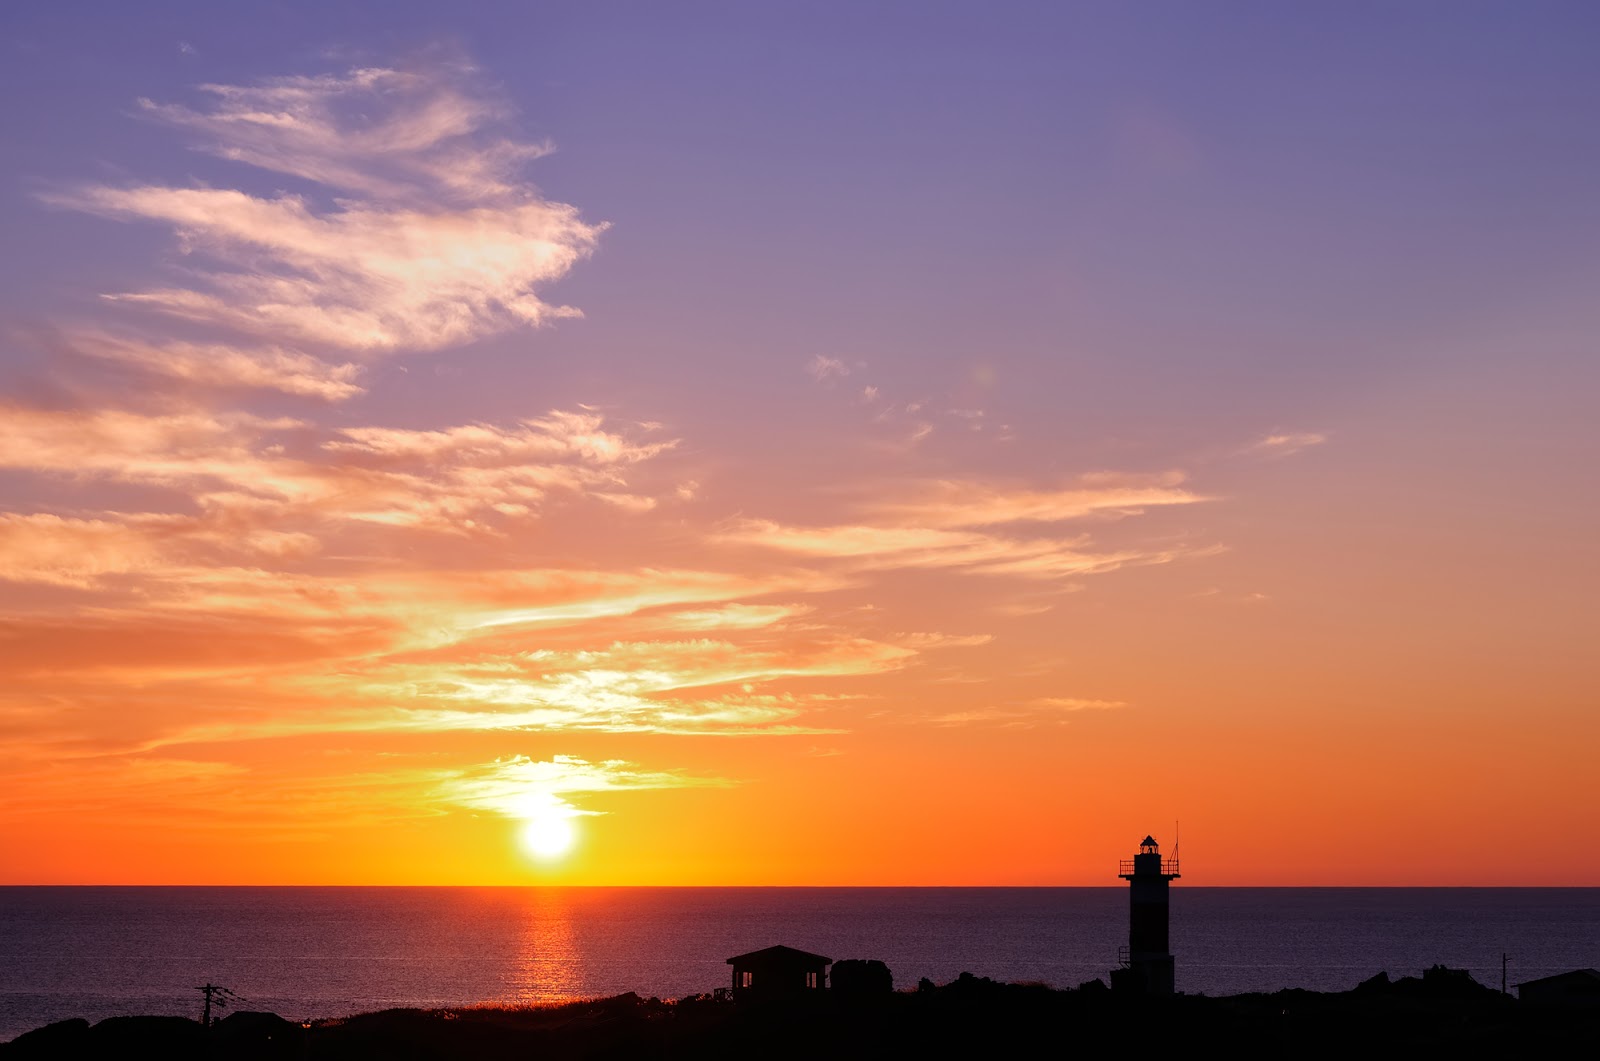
<point x="1573" y="978"/>
<point x="779" y="953"/>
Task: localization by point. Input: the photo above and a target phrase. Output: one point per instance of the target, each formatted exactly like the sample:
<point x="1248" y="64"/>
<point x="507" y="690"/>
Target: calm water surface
<point x="311" y="952"/>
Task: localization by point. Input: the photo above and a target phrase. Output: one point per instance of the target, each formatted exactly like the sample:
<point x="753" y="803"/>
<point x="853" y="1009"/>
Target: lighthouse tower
<point x="1146" y="960"/>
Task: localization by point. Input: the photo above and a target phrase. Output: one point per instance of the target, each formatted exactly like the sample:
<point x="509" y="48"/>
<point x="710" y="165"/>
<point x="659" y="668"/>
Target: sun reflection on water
<point x="547" y="965"/>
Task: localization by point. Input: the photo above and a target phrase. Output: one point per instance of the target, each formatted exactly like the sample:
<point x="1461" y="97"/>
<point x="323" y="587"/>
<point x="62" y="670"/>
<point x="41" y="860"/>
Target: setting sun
<point x="547" y="837"/>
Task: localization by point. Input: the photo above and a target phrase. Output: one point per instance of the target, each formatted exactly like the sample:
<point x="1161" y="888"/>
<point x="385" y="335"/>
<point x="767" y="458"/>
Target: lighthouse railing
<point x="1168" y="866"/>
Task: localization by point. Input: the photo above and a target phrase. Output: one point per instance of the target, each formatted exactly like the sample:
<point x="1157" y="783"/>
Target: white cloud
<point x="436" y="240"/>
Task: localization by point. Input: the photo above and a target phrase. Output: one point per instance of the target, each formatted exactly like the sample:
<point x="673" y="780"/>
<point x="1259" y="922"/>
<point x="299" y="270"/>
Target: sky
<point x="798" y="444"/>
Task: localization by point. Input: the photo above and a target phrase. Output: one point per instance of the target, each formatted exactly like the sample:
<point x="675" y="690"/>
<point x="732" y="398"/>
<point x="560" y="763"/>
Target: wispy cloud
<point x="276" y="474"/>
<point x="434" y="239"/>
<point x="702" y="686"/>
<point x="384" y="132"/>
<point x="1286" y="443"/>
<point x="1045" y="710"/>
<point x="224" y="365"/>
<point x="823" y="368"/>
<point x="521" y="788"/>
<point x="1071" y="703"/>
<point x="972" y="503"/>
<point x="959" y="524"/>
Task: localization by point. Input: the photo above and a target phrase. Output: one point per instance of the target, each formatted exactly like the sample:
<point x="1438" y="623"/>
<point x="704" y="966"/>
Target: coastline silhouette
<point x="783" y="1001"/>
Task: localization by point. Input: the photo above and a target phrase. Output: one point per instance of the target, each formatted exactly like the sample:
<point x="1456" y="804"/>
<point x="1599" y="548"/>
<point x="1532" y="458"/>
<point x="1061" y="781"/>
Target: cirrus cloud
<point x="434" y="239"/>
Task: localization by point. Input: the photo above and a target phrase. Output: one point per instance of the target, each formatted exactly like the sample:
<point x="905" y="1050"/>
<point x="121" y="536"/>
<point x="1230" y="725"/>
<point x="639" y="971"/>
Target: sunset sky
<point x="815" y="443"/>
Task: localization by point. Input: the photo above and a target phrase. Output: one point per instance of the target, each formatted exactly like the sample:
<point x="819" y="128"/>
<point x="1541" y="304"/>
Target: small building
<point x="778" y="972"/>
<point x="1581" y="987"/>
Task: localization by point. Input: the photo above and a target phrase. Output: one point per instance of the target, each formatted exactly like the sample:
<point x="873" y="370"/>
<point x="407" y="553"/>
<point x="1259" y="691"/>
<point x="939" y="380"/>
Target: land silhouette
<point x="971" y="1016"/>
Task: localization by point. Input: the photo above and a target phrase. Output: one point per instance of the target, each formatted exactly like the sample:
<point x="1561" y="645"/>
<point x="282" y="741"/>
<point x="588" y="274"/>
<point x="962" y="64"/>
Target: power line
<point x="219" y="997"/>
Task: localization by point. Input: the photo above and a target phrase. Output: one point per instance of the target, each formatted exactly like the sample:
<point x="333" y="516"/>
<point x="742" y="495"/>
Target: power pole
<point x="217" y="996"/>
<point x="1504" y="960"/>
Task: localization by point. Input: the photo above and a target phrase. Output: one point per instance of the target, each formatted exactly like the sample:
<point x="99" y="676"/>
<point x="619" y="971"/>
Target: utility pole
<point x="1504" y="960"/>
<point x="217" y="996"/>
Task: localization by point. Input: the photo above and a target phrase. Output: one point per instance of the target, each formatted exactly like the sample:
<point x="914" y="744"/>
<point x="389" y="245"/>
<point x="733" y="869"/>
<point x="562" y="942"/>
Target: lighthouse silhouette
<point x="1146" y="960"/>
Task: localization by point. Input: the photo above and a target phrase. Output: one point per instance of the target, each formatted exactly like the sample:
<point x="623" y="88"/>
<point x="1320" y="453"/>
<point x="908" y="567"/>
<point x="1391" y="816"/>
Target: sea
<point x="308" y="953"/>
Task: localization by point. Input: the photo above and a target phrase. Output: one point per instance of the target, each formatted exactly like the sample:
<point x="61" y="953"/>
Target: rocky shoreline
<point x="968" y="1017"/>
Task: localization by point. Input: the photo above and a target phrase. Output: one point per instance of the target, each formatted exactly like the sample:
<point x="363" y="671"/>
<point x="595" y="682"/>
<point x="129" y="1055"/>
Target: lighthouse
<point x="1146" y="960"/>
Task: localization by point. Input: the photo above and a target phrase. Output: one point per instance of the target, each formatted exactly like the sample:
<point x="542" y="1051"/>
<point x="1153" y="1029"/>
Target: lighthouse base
<point x="1152" y="975"/>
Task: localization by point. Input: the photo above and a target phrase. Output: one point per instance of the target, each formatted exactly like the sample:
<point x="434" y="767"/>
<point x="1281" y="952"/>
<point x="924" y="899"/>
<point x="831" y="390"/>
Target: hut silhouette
<point x="1580" y="987"/>
<point x="778" y="972"/>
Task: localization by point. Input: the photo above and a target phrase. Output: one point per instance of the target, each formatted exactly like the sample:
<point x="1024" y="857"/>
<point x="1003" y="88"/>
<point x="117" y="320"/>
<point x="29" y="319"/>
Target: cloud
<point x="557" y="435"/>
<point x="736" y="616"/>
<point x="257" y="474"/>
<point x="1283" y="444"/>
<point x="643" y="686"/>
<point x="967" y="503"/>
<point x="505" y="599"/>
<point x="69" y="552"/>
<point x="875" y="547"/>
<point x="959" y="524"/>
<point x="224" y="365"/>
<point x="823" y="368"/>
<point x="435" y="240"/>
<point x="379" y="131"/>
<point x="359" y="277"/>
<point x="523" y="788"/>
<point x="1036" y="712"/>
<point x="1070" y="703"/>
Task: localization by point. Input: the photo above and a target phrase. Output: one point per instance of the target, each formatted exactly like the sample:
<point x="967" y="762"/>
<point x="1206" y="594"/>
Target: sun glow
<point x="548" y="836"/>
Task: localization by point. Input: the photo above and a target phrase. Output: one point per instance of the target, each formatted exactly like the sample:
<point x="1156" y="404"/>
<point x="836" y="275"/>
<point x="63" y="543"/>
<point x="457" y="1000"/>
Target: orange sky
<point x="335" y="544"/>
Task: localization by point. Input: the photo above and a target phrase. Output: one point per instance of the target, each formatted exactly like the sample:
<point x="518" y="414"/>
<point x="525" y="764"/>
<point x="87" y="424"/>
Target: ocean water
<point x="320" y="952"/>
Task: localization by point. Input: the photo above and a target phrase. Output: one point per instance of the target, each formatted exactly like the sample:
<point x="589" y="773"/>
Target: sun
<point x="547" y="836"/>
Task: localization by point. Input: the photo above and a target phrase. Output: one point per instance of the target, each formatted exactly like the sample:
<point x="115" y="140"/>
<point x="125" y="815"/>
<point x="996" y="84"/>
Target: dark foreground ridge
<point x="968" y="1017"/>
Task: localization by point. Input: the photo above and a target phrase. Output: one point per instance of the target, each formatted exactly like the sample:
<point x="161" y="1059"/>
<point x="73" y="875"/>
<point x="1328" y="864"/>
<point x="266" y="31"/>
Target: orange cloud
<point x="69" y="552"/>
